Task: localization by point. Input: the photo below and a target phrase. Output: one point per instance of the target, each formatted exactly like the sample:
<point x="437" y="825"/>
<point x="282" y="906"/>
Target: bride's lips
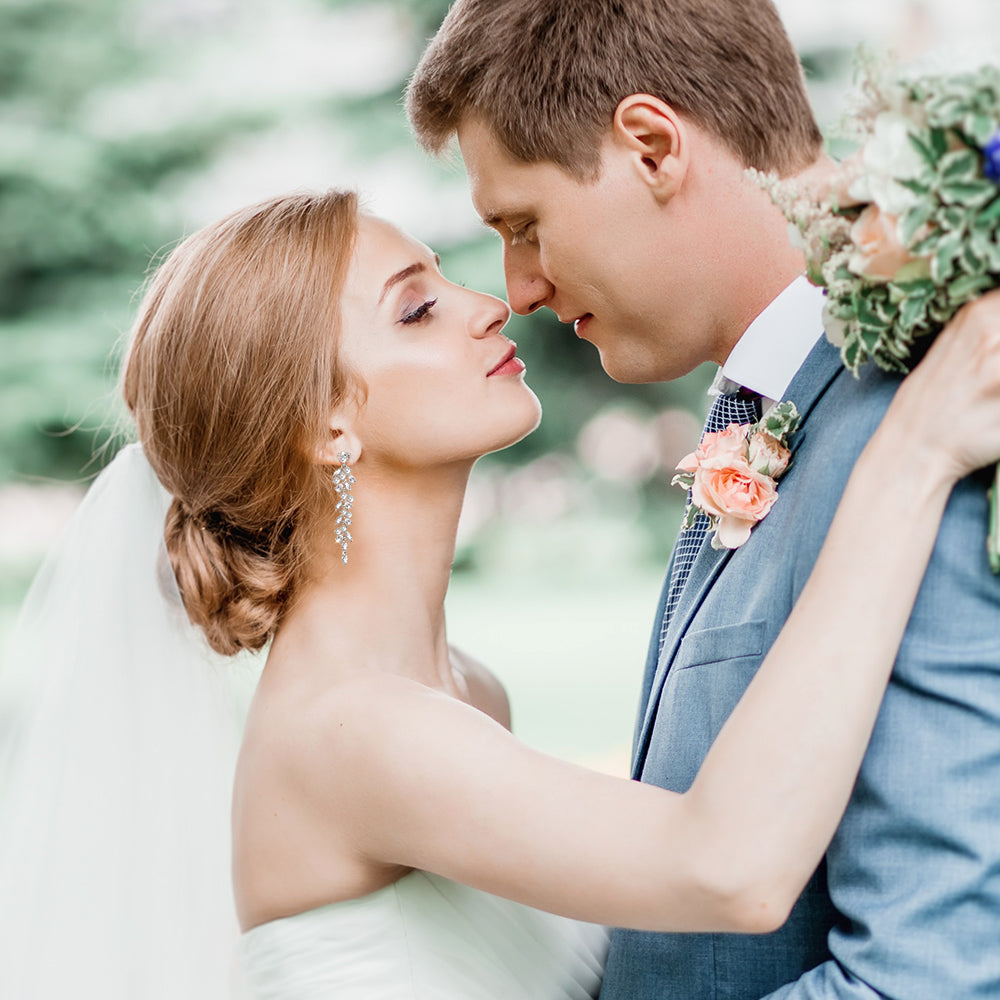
<point x="509" y="364"/>
<point x="579" y="325"/>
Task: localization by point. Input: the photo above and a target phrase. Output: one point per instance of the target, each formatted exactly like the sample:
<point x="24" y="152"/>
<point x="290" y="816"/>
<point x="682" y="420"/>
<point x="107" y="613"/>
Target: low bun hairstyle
<point x="231" y="376"/>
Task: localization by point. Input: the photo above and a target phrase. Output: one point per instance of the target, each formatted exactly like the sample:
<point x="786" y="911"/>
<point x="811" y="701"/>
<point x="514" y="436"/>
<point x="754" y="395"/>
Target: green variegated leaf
<point x="914" y="272"/>
<point x="989" y="215"/>
<point x="922" y="288"/>
<point x="851" y="354"/>
<point x="971" y="194"/>
<point x="962" y="164"/>
<point x="982" y="126"/>
<point x="865" y="313"/>
<point x="992" y="256"/>
<point x="924" y="149"/>
<point x="943" y="261"/>
<point x="929" y="244"/>
<point x="968" y="286"/>
<point x="942" y="268"/>
<point x="814" y="272"/>
<point x="890" y="364"/>
<point x="782" y="420"/>
<point x="939" y="141"/>
<point x="870" y="337"/>
<point x="912" y="310"/>
<point x="913" y="220"/>
<point x="920" y="188"/>
<point x="954" y="217"/>
<point x="898" y="346"/>
<point x="887" y="310"/>
<point x="969" y="261"/>
<point x="981" y="241"/>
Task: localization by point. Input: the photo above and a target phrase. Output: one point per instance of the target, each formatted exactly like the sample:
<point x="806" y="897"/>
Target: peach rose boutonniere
<point x="732" y="477"/>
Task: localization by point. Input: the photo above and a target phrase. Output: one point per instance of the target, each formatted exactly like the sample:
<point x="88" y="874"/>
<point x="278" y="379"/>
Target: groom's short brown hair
<point x="546" y="76"/>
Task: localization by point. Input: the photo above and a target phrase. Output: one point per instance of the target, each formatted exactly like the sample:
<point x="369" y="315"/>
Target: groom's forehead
<point x="503" y="187"/>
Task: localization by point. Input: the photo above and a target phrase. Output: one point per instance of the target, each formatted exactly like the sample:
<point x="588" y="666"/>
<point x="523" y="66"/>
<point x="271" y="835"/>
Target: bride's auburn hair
<point x="231" y="377"/>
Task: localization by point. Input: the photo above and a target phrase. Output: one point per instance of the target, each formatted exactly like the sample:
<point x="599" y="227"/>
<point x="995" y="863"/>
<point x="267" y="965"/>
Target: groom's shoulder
<point x="848" y="409"/>
<point x="841" y="415"/>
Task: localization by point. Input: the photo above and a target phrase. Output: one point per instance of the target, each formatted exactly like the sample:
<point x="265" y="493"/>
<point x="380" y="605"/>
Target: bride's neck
<point x="384" y="609"/>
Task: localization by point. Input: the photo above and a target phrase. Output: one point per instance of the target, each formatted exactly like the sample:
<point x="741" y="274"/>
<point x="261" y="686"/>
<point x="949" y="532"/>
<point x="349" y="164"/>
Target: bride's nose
<point x="489" y="315"/>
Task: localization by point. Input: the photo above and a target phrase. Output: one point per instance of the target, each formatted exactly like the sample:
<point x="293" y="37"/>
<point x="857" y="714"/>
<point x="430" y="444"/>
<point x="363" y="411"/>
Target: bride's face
<point x="443" y="382"/>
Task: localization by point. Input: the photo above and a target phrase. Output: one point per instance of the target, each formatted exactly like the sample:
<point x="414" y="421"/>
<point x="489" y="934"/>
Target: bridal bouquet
<point x="907" y="230"/>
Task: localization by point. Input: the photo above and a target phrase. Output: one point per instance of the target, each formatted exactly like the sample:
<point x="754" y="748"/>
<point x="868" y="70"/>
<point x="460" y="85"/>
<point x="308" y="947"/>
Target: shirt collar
<point x="771" y="351"/>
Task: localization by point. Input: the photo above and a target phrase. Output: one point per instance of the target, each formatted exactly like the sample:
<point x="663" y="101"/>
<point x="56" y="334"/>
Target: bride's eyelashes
<point x="421" y="312"/>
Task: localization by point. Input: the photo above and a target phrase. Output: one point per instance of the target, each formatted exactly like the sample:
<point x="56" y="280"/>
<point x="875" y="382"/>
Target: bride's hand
<point x="947" y="411"/>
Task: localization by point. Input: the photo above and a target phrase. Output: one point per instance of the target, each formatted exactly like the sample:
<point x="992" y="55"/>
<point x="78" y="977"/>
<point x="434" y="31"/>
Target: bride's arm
<point x="430" y="783"/>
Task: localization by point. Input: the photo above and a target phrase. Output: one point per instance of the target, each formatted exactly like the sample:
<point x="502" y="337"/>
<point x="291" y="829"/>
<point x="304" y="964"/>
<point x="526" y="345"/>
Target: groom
<point x="606" y="142"/>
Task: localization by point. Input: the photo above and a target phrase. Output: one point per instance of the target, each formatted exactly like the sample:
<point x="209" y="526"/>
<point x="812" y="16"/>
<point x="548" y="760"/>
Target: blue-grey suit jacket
<point x="906" y="903"/>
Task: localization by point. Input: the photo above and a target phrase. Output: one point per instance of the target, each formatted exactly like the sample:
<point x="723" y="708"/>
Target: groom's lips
<point x="579" y="325"/>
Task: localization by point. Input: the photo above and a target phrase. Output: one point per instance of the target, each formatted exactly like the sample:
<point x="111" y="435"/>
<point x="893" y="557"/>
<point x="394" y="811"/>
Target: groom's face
<point x="602" y="255"/>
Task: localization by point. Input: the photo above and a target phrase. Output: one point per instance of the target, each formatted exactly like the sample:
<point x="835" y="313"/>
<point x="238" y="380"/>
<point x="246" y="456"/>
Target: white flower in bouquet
<point x="888" y="159"/>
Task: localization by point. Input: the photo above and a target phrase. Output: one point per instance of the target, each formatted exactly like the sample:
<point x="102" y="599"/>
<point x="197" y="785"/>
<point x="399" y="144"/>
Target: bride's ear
<point x="339" y="439"/>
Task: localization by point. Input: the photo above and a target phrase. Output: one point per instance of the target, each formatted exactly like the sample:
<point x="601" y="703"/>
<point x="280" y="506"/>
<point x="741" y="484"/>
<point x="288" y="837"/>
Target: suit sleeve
<point x="914" y="868"/>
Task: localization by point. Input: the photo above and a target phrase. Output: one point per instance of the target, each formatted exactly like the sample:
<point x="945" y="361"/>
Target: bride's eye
<point x="422" y="311"/>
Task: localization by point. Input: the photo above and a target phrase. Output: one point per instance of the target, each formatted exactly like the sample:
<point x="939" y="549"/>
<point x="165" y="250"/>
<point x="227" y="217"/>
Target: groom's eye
<point x="523" y="234"/>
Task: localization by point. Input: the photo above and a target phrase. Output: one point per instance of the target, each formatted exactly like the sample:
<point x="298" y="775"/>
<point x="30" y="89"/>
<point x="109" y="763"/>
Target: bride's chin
<point x="532" y="418"/>
<point x="520" y="436"/>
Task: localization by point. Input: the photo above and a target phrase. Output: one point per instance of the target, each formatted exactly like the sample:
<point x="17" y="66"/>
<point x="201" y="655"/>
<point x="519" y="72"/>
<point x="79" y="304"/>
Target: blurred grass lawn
<point x="570" y="655"/>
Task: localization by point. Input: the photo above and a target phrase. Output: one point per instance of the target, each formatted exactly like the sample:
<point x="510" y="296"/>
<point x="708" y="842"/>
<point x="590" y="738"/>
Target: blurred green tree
<point x="107" y="118"/>
<point x="80" y="216"/>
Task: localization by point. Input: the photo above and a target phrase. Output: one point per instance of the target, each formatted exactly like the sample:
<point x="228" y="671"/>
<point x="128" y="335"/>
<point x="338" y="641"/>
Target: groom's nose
<point x="527" y="286"/>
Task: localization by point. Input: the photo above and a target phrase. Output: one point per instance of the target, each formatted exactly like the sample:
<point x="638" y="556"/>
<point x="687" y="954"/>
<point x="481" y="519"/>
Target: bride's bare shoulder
<point x="351" y="720"/>
<point x="485" y="691"/>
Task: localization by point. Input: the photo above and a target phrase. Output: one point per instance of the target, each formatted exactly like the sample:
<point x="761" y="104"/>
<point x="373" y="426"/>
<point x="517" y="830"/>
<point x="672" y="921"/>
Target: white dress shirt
<point x="770" y="352"/>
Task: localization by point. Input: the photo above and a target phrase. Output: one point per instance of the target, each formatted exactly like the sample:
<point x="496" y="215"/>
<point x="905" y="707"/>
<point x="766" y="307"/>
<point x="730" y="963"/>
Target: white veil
<point x="114" y="802"/>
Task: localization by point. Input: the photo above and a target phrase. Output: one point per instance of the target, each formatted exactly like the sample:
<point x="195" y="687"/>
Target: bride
<point x="312" y="393"/>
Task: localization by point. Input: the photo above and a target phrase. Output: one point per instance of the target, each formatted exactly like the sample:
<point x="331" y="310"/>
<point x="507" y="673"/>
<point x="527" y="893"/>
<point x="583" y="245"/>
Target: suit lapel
<point x="817" y="373"/>
<point x="706" y="567"/>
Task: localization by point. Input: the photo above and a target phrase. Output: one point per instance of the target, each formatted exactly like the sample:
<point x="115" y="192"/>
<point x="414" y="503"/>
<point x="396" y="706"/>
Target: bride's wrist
<point x="917" y="466"/>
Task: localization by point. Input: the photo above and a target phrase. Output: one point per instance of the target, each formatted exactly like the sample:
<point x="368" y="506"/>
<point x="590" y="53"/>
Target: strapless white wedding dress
<point x="424" y="938"/>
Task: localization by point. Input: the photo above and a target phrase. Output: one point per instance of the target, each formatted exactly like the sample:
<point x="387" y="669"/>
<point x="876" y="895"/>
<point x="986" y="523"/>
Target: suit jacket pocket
<point x="710" y="671"/>
<point x="726" y="642"/>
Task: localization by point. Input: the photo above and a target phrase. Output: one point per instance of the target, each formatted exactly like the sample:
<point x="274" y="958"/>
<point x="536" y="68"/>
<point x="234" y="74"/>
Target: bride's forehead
<point x="382" y="252"/>
<point x="379" y="240"/>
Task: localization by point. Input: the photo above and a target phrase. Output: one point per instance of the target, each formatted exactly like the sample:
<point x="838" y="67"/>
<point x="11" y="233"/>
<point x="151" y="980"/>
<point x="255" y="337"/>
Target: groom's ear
<point x="656" y="139"/>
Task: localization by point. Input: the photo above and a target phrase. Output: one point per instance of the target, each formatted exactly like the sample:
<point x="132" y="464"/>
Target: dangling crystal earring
<point x="343" y="480"/>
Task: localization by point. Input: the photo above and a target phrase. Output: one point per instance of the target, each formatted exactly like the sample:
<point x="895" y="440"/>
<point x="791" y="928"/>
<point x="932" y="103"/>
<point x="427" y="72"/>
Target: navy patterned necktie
<point x="741" y="407"/>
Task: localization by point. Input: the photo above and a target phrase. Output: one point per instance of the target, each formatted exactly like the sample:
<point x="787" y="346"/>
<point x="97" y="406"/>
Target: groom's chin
<point x="638" y="368"/>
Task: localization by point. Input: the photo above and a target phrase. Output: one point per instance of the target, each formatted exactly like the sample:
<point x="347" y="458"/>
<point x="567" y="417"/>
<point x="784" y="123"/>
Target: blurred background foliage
<point x="125" y="124"/>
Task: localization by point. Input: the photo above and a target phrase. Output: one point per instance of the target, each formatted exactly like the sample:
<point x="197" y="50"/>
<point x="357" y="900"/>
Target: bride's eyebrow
<point x="407" y="272"/>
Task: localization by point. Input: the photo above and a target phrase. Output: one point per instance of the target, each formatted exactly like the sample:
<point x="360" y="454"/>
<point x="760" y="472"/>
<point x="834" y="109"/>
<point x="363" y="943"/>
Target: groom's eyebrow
<point x="497" y="217"/>
<point x="407" y="272"/>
